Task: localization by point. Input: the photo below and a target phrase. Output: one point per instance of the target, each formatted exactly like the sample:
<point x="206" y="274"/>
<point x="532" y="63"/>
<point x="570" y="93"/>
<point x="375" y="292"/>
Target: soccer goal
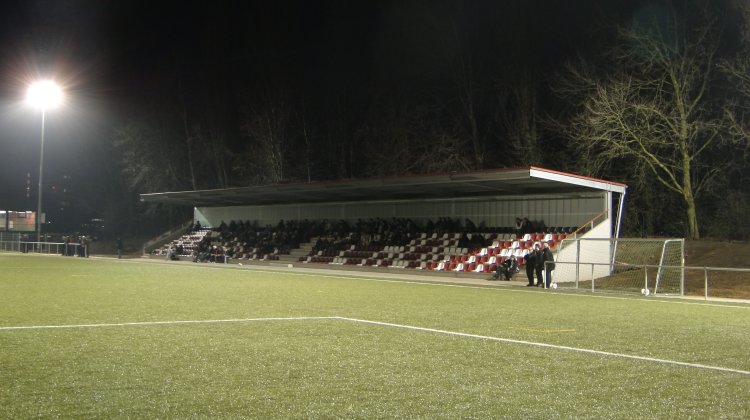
<point x="647" y="266"/>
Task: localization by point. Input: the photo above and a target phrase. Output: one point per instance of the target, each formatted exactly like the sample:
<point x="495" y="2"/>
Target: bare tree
<point x="147" y="164"/>
<point x="189" y="140"/>
<point x="517" y="118"/>
<point x="737" y="69"/>
<point x="306" y="137"/>
<point x="468" y="118"/>
<point x="652" y="110"/>
<point x="267" y="128"/>
<point x="411" y="140"/>
<point x="209" y="162"/>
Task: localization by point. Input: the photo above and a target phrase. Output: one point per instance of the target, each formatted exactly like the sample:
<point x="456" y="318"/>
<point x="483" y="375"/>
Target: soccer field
<point x="98" y="338"/>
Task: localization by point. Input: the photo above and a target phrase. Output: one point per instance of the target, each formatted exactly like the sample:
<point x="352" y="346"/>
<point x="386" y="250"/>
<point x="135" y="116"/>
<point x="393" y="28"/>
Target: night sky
<point x="125" y="60"/>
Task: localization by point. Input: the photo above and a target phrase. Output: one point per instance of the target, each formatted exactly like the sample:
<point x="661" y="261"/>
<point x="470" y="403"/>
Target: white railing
<point x="170" y="234"/>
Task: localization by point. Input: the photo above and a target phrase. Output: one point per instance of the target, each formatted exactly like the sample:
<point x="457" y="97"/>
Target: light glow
<point x="45" y="94"/>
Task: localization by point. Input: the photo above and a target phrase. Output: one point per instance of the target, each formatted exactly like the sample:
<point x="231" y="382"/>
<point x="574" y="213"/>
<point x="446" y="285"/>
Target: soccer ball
<point x="554" y="285"/>
<point x="645" y="292"/>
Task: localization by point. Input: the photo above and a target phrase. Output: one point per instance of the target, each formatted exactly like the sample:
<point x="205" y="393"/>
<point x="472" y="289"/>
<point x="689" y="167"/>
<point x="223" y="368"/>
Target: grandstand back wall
<point x="552" y="209"/>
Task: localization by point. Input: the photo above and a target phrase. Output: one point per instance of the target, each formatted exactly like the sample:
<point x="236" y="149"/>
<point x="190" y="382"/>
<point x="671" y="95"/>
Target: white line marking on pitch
<point x="552" y="346"/>
<point x="384" y="324"/>
<point x="156" y="323"/>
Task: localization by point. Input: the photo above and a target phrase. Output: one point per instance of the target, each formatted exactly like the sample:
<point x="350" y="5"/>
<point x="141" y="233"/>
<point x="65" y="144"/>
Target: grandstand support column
<point x="620" y="209"/>
<point x="618" y="223"/>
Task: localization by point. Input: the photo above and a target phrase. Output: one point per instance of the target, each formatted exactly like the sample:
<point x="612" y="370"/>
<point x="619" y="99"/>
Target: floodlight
<point x="44" y="94"/>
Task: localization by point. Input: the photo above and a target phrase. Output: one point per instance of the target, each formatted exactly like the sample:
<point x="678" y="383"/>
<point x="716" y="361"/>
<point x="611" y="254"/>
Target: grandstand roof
<point x="495" y="182"/>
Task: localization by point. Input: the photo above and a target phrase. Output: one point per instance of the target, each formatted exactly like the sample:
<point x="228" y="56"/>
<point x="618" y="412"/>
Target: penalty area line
<point x="161" y="323"/>
<point x="551" y="346"/>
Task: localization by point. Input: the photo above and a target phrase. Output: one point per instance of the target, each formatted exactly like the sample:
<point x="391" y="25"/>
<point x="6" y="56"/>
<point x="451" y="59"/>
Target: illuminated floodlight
<point x="44" y="95"/>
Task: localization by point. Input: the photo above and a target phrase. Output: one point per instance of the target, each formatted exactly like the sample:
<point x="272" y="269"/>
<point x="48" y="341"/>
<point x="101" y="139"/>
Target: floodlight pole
<point x="43" y="94"/>
<point x="39" y="196"/>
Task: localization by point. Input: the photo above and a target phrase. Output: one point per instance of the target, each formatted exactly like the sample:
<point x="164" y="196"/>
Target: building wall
<point x="584" y="260"/>
<point x="552" y="209"/>
<point x="19" y="221"/>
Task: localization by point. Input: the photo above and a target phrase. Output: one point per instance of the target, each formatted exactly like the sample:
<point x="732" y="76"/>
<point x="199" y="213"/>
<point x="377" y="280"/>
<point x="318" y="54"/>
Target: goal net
<point x="622" y="265"/>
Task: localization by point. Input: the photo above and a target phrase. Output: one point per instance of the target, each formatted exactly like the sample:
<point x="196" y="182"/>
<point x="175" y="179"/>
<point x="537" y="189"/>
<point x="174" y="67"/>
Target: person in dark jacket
<point x="507" y="269"/>
<point x="548" y="261"/>
<point x="539" y="265"/>
<point x="530" y="259"/>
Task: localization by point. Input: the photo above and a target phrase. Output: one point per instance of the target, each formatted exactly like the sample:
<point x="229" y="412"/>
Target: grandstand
<point x="481" y="207"/>
<point x="424" y="251"/>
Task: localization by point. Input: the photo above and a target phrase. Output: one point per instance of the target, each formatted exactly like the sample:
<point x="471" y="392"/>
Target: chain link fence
<point x="649" y="280"/>
<point x="646" y="266"/>
<point x="10" y="241"/>
<point x="618" y="264"/>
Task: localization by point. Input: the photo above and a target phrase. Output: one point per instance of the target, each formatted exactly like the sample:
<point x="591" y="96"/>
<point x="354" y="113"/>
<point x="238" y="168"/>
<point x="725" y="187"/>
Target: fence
<point x="605" y="258"/>
<point x="36" y="247"/>
<point x="708" y="282"/>
<point x="14" y="242"/>
<point x="10" y="241"/>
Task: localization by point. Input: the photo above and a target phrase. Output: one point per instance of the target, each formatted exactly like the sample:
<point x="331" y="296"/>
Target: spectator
<point x="507" y="269"/>
<point x="530" y="259"/>
<point x="217" y="254"/>
<point x="549" y="264"/>
<point x="526" y="226"/>
<point x="463" y="241"/>
<point x="539" y="265"/>
<point x="172" y="253"/>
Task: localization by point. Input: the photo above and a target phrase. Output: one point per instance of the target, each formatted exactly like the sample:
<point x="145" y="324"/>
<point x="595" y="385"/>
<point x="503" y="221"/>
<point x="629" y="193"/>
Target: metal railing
<point x="166" y="236"/>
<point x="9" y="241"/>
<point x="589" y="224"/>
<point x="646" y="279"/>
<point x="50" y="248"/>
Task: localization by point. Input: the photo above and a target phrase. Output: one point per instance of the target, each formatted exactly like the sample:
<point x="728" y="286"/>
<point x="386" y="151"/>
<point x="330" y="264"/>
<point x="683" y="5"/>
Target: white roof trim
<point x="583" y="181"/>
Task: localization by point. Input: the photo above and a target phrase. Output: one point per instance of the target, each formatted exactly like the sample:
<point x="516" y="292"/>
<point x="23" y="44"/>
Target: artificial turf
<point x="145" y="340"/>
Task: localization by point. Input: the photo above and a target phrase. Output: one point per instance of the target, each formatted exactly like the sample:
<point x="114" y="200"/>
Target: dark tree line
<point x="655" y="96"/>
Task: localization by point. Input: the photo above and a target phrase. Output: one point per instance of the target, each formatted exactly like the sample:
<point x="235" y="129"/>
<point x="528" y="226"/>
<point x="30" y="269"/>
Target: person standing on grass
<point x="549" y="264"/>
<point x="530" y="259"/>
<point x="539" y="265"/>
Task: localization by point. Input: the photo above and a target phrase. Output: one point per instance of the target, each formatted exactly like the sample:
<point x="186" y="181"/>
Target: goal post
<point x="671" y="268"/>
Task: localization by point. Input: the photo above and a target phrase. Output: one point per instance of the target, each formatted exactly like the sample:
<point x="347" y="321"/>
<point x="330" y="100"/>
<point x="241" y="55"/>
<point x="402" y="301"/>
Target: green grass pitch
<point x="96" y="338"/>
